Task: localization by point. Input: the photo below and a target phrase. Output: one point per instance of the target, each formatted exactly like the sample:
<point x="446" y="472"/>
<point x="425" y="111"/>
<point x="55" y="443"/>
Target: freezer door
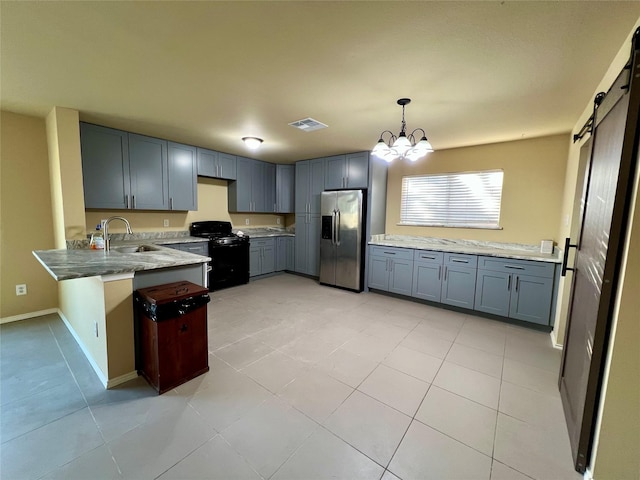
<point x="328" y="207"/>
<point x="349" y="239"/>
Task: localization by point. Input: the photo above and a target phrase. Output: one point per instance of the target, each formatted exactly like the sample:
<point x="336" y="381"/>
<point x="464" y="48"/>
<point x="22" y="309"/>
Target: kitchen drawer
<point x="522" y="267"/>
<point x="263" y="242"/>
<point x="392" y="252"/>
<point x="199" y="248"/>
<point x="461" y="260"/>
<point x="428" y="256"/>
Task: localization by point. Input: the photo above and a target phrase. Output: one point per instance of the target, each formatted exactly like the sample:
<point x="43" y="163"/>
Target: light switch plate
<point x="165" y="222"/>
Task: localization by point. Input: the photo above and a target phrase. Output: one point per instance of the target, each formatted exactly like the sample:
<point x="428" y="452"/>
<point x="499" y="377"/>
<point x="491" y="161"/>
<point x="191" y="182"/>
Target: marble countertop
<point x="262" y="232"/>
<point x="474" y="247"/>
<point x="78" y="263"/>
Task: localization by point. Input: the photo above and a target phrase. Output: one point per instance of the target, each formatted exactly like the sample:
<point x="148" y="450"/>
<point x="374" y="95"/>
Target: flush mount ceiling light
<point x="252" y="143"/>
<point x="403" y="146"/>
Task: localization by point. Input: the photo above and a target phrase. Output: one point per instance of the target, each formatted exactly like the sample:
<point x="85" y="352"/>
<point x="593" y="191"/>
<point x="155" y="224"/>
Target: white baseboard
<point x="122" y="379"/>
<point x="104" y="380"/>
<point x="24" y="316"/>
<point x="554" y="340"/>
<point x="94" y="365"/>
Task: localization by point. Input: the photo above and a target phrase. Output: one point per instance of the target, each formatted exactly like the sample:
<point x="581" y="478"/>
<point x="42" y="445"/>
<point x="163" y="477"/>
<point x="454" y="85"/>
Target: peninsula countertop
<point x="473" y="247"/>
<point x="77" y="263"/>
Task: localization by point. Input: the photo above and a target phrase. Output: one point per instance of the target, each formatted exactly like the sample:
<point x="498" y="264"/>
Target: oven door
<point x="229" y="265"/>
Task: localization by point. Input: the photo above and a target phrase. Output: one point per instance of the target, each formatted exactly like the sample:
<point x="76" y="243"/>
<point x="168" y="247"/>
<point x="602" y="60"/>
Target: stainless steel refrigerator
<point x="342" y="239"/>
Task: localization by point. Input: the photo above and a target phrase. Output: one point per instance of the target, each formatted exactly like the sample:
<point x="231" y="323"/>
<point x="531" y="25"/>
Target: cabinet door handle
<point x="517" y="282"/>
<point x="509" y="283"/>
<point x="439" y="271"/>
<point x="390" y="265"/>
<point x="133" y="198"/>
<point x="386" y="265"/>
<point x="514" y="267"/>
<point x="456" y="260"/>
<point x="126" y="200"/>
<point x="427" y="257"/>
<point x="171" y="203"/>
<point x="390" y="253"/>
<point x="445" y="274"/>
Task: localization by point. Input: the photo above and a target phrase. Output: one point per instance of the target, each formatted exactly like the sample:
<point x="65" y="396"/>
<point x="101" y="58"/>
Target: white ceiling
<point x="209" y="73"/>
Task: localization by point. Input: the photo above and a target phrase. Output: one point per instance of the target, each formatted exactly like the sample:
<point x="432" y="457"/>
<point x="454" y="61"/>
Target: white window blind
<point x="469" y="199"/>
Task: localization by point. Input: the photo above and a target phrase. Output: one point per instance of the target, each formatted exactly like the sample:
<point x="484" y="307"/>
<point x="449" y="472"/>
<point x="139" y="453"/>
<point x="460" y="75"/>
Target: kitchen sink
<point x="136" y="249"/>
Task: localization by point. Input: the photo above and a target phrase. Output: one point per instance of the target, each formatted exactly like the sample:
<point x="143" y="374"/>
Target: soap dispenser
<point x="97" y="239"/>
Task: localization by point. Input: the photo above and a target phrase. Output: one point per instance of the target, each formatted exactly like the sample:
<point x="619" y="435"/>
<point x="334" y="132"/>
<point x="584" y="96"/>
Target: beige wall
<point x="532" y="190"/>
<point x="25" y="214"/>
<point x="65" y="172"/>
<point x="118" y="302"/>
<point x="212" y="205"/>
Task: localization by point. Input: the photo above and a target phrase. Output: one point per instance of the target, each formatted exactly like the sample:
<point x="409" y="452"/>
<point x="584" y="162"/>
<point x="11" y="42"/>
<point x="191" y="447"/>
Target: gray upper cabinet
<point x="285" y="181"/>
<point x="148" y="172"/>
<point x="347" y="171"/>
<point x="105" y="167"/>
<point x="183" y="187"/>
<point x="270" y="203"/>
<point x="124" y="170"/>
<point x="254" y="188"/>
<point x="216" y="164"/>
<point x="309" y="185"/>
<point x="518" y="289"/>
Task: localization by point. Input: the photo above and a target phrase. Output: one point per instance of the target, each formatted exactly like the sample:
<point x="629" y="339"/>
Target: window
<point x="469" y="199"/>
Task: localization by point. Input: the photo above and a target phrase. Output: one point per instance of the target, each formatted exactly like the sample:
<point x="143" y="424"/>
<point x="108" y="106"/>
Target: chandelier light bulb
<point x="402" y="146"/>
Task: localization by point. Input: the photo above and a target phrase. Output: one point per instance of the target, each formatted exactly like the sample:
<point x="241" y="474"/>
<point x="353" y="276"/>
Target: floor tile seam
<point x="550" y="396"/>
<point x="5" y="442"/>
<point x="4" y="405"/>
<point x="306" y="439"/>
<point x="335" y="434"/>
<point x="244" y="459"/>
<point x="457" y="439"/>
<point x="478" y="348"/>
<point x="391" y="406"/>
<point x="544" y="428"/>
<point x="474" y="369"/>
<point x="512" y="468"/>
<point x="408" y="374"/>
<point x="183" y="458"/>
<point x="530" y="364"/>
<point x="495" y="430"/>
<point x="467" y="398"/>
<point x="242" y="416"/>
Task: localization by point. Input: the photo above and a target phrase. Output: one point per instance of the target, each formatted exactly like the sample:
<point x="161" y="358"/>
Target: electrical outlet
<point x="246" y="221"/>
<point x="278" y="220"/>
<point x="165" y="222"/>
<point x="21" y="289"/>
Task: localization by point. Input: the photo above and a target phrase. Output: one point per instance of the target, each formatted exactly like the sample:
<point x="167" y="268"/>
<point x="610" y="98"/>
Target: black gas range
<point x="229" y="253"/>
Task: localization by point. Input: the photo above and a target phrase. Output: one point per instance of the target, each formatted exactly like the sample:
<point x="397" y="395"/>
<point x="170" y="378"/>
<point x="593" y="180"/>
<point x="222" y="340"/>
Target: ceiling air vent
<point x="308" y="124"/>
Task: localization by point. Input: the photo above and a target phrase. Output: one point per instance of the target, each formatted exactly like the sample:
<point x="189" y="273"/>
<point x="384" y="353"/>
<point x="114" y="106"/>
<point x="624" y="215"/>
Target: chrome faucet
<point x="105" y="230"/>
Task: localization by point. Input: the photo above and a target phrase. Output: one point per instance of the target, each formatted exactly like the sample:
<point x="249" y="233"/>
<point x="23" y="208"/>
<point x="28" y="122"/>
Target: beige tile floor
<point x="306" y="382"/>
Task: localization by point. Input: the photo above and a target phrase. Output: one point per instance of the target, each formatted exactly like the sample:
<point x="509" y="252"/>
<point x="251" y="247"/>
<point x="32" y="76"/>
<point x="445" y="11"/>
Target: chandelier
<point x="403" y="146"/>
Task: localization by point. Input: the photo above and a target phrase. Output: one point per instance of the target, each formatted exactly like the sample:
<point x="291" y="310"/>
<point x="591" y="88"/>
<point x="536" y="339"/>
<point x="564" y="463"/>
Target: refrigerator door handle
<point x="338" y="227"/>
<point x="333" y="227"/>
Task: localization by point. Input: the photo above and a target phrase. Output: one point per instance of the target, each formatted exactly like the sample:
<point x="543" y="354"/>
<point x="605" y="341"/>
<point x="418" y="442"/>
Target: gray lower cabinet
<point x="216" y="164"/>
<point x="199" y="248"/>
<point x="262" y="256"/>
<point x="459" y="280"/>
<point x="285" y="254"/>
<point x="427" y="275"/>
<point x="307" y="244"/>
<point x="391" y="269"/>
<point x="518" y="289"/>
<point x="183" y="177"/>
